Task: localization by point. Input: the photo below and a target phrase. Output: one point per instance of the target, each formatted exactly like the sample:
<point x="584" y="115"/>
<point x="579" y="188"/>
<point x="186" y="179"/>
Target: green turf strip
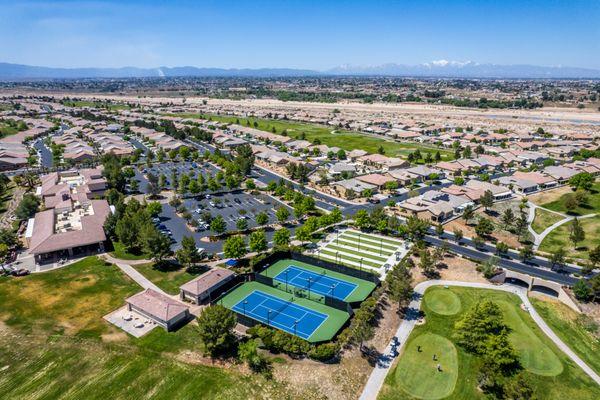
<point x="391" y="244"/>
<point x="364" y="246"/>
<point x="348" y="258"/>
<point x="357" y="253"/>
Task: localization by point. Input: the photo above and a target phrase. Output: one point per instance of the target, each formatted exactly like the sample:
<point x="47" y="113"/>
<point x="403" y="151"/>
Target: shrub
<point x="324" y="352"/>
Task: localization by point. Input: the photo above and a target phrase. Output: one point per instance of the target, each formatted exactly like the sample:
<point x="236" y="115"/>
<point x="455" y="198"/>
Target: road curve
<point x="386" y="360"/>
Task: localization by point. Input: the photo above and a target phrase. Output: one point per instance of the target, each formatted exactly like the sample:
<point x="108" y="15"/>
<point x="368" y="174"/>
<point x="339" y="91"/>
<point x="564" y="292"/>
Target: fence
<point x="302" y="293"/>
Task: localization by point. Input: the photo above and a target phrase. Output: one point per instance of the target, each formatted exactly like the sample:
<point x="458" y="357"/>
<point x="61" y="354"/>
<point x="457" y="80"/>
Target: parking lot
<point x="167" y="168"/>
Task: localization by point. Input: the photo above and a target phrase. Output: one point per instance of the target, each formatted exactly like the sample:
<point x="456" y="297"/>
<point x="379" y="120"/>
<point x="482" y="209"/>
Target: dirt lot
<point x="455" y="269"/>
<point x="499" y="233"/>
<point x="549" y="195"/>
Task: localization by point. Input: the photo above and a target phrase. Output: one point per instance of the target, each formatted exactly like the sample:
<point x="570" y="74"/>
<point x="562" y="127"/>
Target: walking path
<point x="386" y="360"/>
<point x="125" y="266"/>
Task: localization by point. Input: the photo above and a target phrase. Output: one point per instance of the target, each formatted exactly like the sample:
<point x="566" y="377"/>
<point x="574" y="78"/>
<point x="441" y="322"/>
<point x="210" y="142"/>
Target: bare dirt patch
<point x="549" y="195"/>
<point x="455" y="268"/>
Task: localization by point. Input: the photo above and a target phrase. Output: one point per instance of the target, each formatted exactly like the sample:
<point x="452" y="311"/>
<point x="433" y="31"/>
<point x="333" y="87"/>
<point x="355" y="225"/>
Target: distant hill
<point x="442" y="68"/>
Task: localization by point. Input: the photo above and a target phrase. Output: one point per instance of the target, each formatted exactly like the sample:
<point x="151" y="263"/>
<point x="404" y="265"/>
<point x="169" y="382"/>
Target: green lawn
<point x="168" y="278"/>
<point x="7" y="130"/>
<point x="546" y="368"/>
<point x="330" y="136"/>
<point x="344" y="257"/>
<point x="571" y="328"/>
<point x="544" y="219"/>
<point x="54" y="344"/>
<point x="592" y="206"/>
<point x="443" y="301"/>
<point x="559" y="238"/>
<point x="97" y="104"/>
<point x="119" y="251"/>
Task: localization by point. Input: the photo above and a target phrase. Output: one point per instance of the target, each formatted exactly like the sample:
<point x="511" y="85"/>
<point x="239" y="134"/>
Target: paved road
<point x="45" y="153"/>
<point x="386" y="360"/>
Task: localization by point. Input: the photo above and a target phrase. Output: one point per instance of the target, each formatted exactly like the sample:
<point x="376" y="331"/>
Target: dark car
<point x="21" y="272"/>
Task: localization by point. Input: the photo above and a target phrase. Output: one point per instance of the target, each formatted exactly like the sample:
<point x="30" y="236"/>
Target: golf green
<point x="417" y="371"/>
<point x="534" y="355"/>
<point x="442" y="301"/>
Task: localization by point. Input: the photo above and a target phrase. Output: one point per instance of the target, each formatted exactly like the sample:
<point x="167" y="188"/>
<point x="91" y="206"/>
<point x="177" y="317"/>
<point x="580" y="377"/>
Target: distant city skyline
<point x="314" y="35"/>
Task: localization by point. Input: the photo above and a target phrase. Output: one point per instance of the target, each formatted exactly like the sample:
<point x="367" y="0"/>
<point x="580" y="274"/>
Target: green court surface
<point x="326" y="331"/>
<point x="359" y="253"/>
<point x="417" y="372"/>
<point x="360" y="293"/>
<point x="344" y="257"/>
<point x="442" y="301"/>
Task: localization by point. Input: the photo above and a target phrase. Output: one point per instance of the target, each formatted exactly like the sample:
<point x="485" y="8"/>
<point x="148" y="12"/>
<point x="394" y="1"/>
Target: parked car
<point x="21" y="272"/>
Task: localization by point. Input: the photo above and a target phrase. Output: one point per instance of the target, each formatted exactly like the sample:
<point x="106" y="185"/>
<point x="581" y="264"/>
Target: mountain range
<point x="438" y="69"/>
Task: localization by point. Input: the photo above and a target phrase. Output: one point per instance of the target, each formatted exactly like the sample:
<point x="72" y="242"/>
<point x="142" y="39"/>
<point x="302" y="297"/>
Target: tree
<point x="474" y="328"/>
<point x="583" y="180"/>
<point x="154" y="208"/>
<point x="281" y="237"/>
<point x="362" y="330"/>
<point x="262" y="218"/>
<point x="582" y="290"/>
<point x="258" y="241"/>
<point x="416" y="227"/>
<point x="487" y="199"/>
<point x="156" y="244"/>
<point x="468" y="213"/>
<point x="484" y="227"/>
<point x="508" y="217"/>
<point x="362" y="219"/>
<point x="526" y="252"/>
<point x="248" y="352"/>
<point x="518" y="388"/>
<point x="154" y="187"/>
<point x="235" y="247"/>
<point x="439" y="229"/>
<point x="27" y="207"/>
<point x="399" y="285"/>
<point x="594" y="256"/>
<point x="303" y="234"/>
<point x="458" y="235"/>
<point x="188" y="254"/>
<point x="488" y="267"/>
<point x="571" y="203"/>
<point x="218" y="225"/>
<point x="336" y="215"/>
<point x="501" y="248"/>
<point x="426" y="263"/>
<point x="241" y="224"/>
<point x="576" y="234"/>
<point x="557" y="259"/>
<point x="215" y="329"/>
<point x="282" y="214"/>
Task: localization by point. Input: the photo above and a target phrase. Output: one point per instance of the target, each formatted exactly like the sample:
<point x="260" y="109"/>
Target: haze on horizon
<point x="298" y="34"/>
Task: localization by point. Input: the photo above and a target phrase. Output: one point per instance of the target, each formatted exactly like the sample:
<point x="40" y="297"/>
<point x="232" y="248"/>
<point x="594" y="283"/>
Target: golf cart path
<point x="386" y="360"/>
<point x="540" y="238"/>
<point x="134" y="274"/>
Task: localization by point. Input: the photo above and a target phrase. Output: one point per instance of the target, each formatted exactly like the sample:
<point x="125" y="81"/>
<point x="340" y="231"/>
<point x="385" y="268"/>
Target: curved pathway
<point x="540" y="238"/>
<point x="386" y="360"/>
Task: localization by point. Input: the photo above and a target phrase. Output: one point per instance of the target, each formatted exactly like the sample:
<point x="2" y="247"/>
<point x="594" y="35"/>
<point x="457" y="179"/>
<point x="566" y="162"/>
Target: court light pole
<point x="295" y="325"/>
<point x="244" y="305"/>
<point x="269" y="317"/>
<point x="309" y="288"/>
<point x="286" y="280"/>
<point x="380" y="245"/>
<point x="360" y="268"/>
<point x="332" y="287"/>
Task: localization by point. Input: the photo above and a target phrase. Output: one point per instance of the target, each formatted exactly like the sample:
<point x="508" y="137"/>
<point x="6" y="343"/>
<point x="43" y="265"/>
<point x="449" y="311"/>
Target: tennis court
<point x="279" y="313"/>
<point x="314" y="282"/>
<point x="317" y="322"/>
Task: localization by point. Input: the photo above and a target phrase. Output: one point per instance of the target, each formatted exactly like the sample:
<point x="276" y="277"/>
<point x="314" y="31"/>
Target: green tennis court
<point x="360" y="291"/>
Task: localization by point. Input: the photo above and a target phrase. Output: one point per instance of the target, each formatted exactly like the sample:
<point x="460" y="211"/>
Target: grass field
<point x="546" y="368"/>
<point x="54" y="344"/>
<point x="571" y="328"/>
<point x="119" y="251"/>
<point x="97" y="104"/>
<point x="168" y="278"/>
<point x="544" y="219"/>
<point x="344" y="139"/>
<point x="7" y="130"/>
<point x="559" y="238"/>
<point x="592" y="206"/>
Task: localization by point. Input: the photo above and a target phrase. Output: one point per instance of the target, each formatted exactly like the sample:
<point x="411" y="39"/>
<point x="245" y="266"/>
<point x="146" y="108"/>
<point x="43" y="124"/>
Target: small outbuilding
<point x="162" y="309"/>
<point x="203" y="287"/>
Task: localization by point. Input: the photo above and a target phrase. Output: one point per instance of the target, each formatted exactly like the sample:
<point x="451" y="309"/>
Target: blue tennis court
<point x="318" y="283"/>
<point x="280" y="313"/>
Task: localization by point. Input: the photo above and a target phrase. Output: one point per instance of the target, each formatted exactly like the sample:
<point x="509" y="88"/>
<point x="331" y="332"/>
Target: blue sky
<point x="298" y="34"/>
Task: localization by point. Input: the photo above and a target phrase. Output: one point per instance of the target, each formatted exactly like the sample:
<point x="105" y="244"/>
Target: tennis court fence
<point x="280" y="255"/>
<point x="304" y="293"/>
